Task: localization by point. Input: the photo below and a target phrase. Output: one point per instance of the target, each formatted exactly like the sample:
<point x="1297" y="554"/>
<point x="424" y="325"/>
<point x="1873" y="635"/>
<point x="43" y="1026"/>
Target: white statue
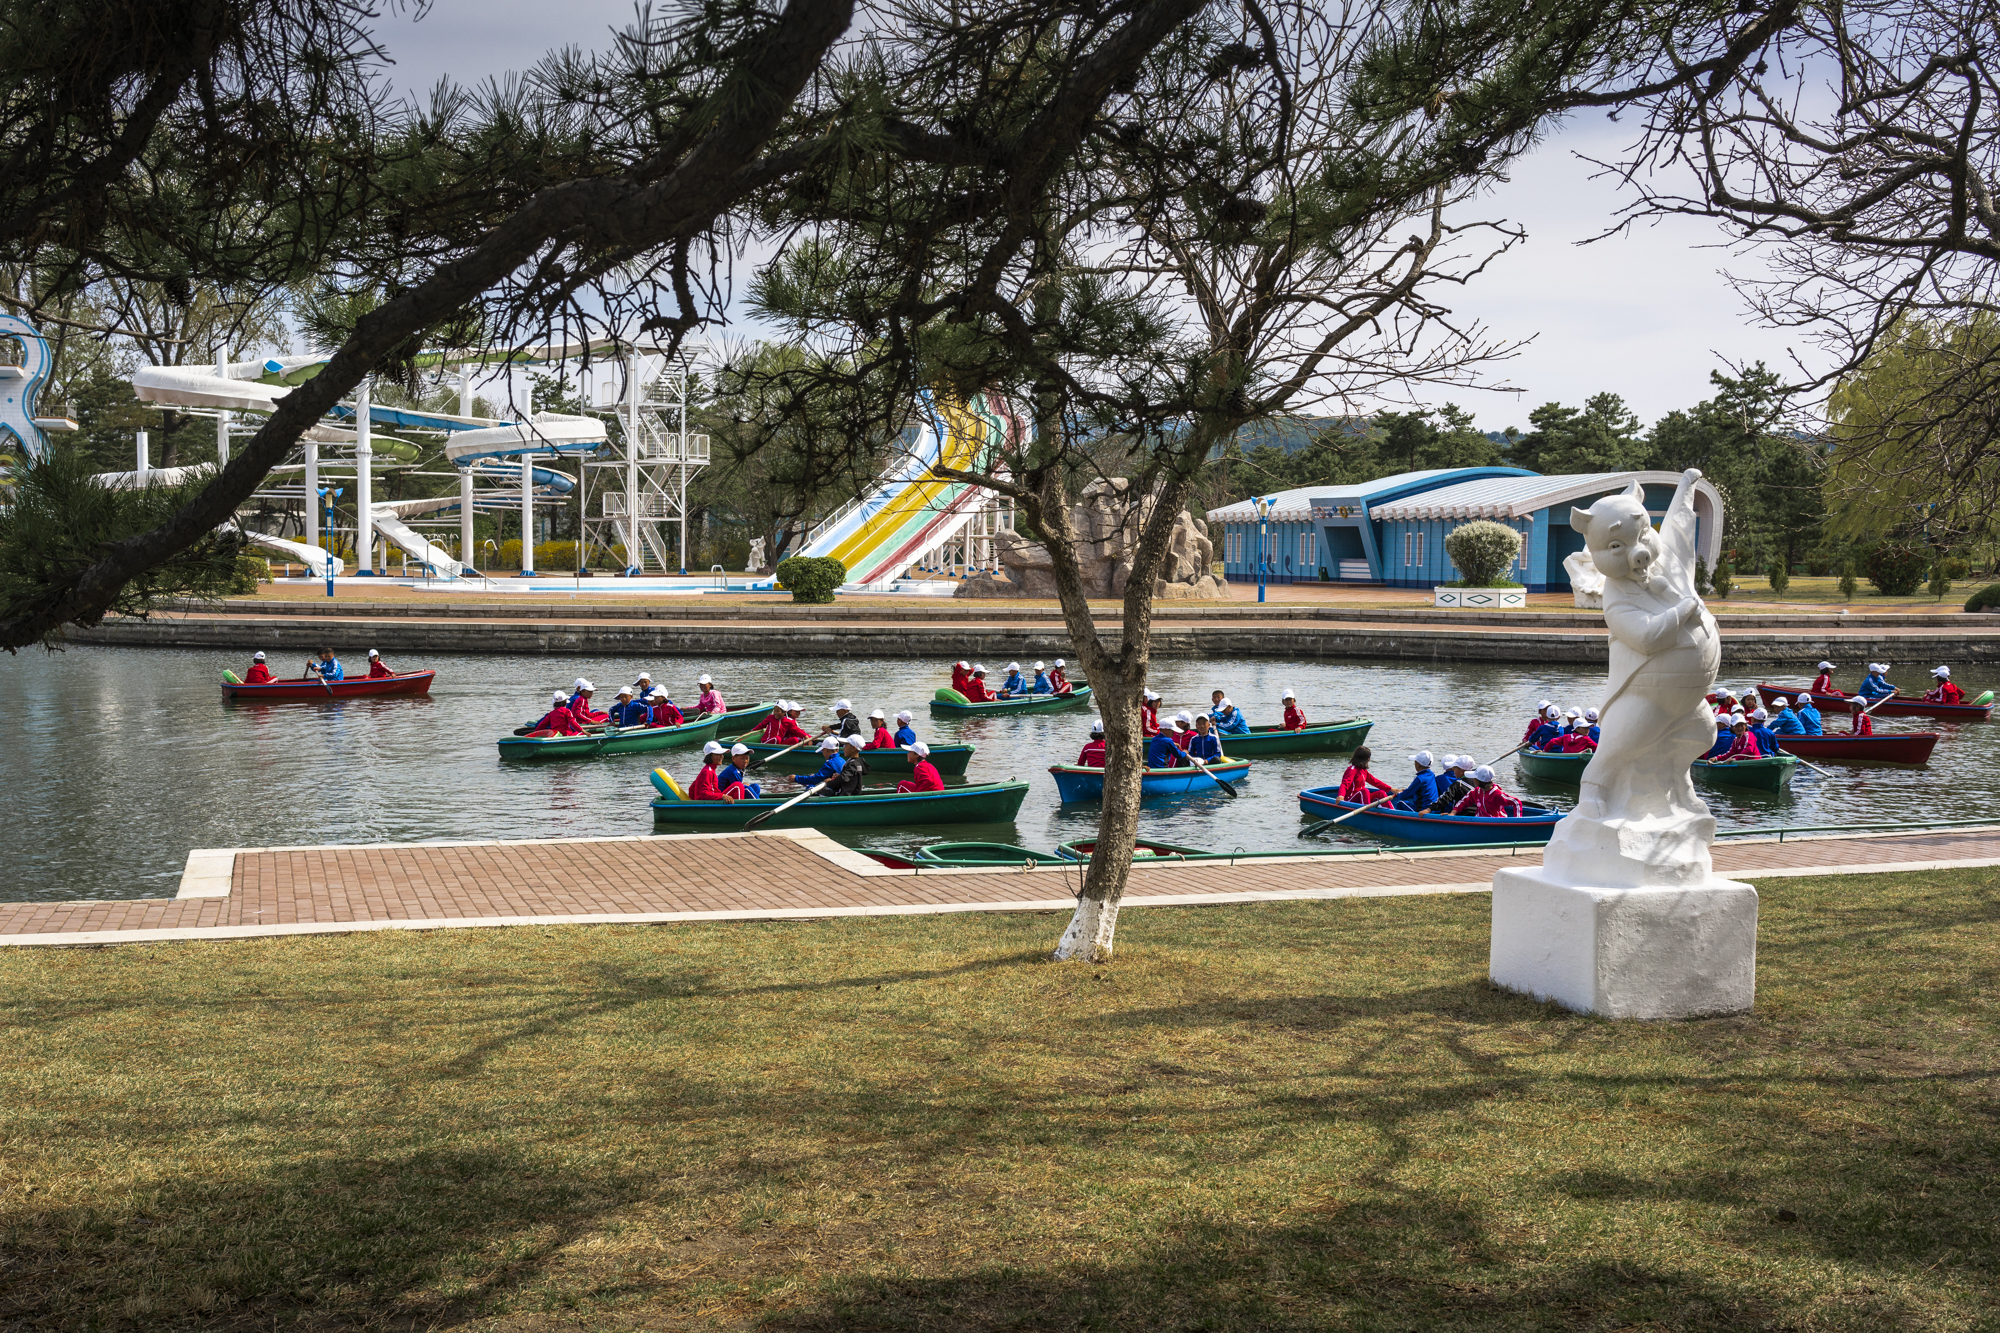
<point x="754" y="563"/>
<point x="1584" y="580"/>
<point x="1625" y="916"/>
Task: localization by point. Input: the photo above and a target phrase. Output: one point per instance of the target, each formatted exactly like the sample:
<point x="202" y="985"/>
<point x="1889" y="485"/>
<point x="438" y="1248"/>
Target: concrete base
<point x="1687" y="952"/>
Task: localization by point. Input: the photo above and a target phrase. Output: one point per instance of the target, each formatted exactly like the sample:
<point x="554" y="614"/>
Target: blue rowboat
<point x="1075" y="783"/>
<point x="1535" y="824"/>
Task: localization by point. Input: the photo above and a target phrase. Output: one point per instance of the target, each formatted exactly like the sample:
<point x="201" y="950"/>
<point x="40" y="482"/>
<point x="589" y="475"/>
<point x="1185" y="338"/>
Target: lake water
<point x="123" y="759"/>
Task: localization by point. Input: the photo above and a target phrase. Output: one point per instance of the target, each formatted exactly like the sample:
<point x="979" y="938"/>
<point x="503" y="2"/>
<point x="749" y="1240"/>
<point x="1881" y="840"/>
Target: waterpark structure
<point x="630" y="484"/>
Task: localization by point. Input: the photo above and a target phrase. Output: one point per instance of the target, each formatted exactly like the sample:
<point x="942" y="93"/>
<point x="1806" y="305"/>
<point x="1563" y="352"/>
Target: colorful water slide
<point x="914" y="507"/>
<point x="312" y="557"/>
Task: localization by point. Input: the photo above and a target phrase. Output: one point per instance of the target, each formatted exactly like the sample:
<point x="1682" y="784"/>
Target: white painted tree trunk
<point x="1089" y="937"/>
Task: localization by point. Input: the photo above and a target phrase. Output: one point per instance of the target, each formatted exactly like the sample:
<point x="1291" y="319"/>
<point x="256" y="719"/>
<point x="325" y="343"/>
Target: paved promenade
<point x="239" y="893"/>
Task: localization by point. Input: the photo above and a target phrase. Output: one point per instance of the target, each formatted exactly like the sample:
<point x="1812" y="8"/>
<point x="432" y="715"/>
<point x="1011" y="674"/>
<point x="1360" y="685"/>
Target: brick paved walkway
<point x="274" y="891"/>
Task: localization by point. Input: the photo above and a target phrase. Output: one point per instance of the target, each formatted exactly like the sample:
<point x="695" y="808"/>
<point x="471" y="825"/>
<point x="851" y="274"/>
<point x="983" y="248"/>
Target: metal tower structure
<point x="641" y="483"/>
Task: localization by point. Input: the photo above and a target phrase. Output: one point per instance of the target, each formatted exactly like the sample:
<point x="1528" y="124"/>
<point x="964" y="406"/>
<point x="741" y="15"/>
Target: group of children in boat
<point x="1461" y="785"/>
<point x="322" y="665"/>
<point x="1557" y="730"/>
<point x="725" y="770"/>
<point x="1186" y="736"/>
<point x="1875" y="685"/>
<point x="640" y="704"/>
<point x="969" y="679"/>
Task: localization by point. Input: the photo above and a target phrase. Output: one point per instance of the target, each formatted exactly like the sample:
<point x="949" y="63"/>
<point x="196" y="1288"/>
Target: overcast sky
<point x="1647" y="315"/>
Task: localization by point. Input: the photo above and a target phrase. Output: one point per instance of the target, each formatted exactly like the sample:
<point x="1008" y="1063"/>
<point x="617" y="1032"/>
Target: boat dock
<point x="239" y="893"/>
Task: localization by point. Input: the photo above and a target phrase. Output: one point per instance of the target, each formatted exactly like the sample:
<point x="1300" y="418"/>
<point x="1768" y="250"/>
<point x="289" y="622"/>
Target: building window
<point x="1235" y="552"/>
<point x="1413" y="550"/>
<point x="1308" y="558"/>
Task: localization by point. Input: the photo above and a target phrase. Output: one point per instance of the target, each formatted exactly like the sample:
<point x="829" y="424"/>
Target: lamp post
<point x="331" y="494"/>
<point x="1263" y="508"/>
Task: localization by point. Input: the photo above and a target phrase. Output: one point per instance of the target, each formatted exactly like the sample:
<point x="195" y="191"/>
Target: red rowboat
<point x="1892" y="747"/>
<point x="1898" y="705"/>
<point x="360" y="687"/>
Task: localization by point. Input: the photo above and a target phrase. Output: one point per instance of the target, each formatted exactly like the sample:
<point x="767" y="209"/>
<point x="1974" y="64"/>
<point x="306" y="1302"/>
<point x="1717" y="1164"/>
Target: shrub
<point x="250" y="571"/>
<point x="1722" y="580"/>
<point x="1702" y="587"/>
<point x="1780" y="577"/>
<point x="1848" y="584"/>
<point x="811" y="578"/>
<point x="1896" y="569"/>
<point x="1956" y="568"/>
<point x="1940" y="583"/>
<point x="1482" y="551"/>
<point x="1986" y="599"/>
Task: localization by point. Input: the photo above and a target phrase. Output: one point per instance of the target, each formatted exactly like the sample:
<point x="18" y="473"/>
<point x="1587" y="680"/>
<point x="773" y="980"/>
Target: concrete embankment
<point x="1790" y="643"/>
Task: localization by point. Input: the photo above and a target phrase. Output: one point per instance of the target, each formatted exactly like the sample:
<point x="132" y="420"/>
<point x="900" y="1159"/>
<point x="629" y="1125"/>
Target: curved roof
<point x="1518" y="497"/>
<point x="1296" y="505"/>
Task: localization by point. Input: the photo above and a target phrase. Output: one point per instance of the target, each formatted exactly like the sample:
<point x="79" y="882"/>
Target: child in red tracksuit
<point x="558" y="719"/>
<point x="1295" y="718"/>
<point x="1357" y="784"/>
<point x="259" y="674"/>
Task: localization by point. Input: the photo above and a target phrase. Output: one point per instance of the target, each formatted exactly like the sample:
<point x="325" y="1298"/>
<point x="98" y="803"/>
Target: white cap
<point x="843" y="705"/>
<point x="1878" y="667"/>
<point x="828" y="744"/>
<point x="373" y="653"/>
<point x="878" y="713"/>
<point x="1288" y="695"/>
<point x="1722" y="721"/>
<point x="1540" y="706"/>
<point x="1826" y="666"/>
<point x="1759" y="715"/>
<point x="1150" y="695"/>
<point x="1781" y="702"/>
<point x="1060" y="662"/>
<point x="794" y="706"/>
<point x="920" y="750"/>
<point x="1590" y="715"/>
<point x="558" y="697"/>
<point x="854" y="741"/>
<point x="1184" y="718"/>
<point x="1736" y="719"/>
<point x="1726" y="693"/>
<point x="979" y="669"/>
<point x="1943" y="672"/>
<point x="1097" y="726"/>
<point x="1013" y="666"/>
<point x="1225" y="704"/>
<point x="739" y="748"/>
<point x="258" y="657"/>
<point x="580" y="684"/>
<point x="1422" y="759"/>
<point x="645" y="675"/>
<point x="1482" y="774"/>
<point x="960" y="665"/>
<point x="624" y="692"/>
<point x="1574" y="713"/>
<point x="703" y="680"/>
<point x="1458" y="761"/>
<point x="1552" y="711"/>
<point x="904" y="716"/>
<point x="713" y="747"/>
<point x="1041" y="666"/>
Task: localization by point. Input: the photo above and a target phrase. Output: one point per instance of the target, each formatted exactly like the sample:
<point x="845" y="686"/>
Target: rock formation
<point x="1107" y="525"/>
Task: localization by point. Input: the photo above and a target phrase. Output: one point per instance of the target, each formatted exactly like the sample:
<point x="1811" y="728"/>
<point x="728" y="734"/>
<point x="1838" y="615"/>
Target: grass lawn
<point x="1297" y="1115"/>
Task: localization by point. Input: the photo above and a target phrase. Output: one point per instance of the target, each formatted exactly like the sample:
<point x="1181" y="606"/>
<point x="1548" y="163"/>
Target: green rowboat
<point x="1771" y="774"/>
<point x="1321" y="738"/>
<point x="948" y="702"/>
<point x="950" y="760"/>
<point x="607" y="740"/>
<point x="1551" y="767"/>
<point x="985" y="854"/>
<point x="991" y="803"/>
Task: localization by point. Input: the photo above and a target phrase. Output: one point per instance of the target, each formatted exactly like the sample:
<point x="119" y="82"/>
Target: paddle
<point x="755" y="820"/>
<point x="1329" y="823"/>
<point x="1211" y="776"/>
<point x="1814" y="767"/>
<point x="761" y="759"/>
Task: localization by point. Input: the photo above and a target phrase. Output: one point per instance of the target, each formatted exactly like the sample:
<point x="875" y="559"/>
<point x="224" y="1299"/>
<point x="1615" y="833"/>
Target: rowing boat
<point x="1143" y="849"/>
<point x="1534" y="824"/>
<point x="1896" y="705"/>
<point x="1323" y="738"/>
<point x="360" y="687"/>
<point x="608" y="740"/>
<point x="1077" y="783"/>
<point x="948" y="702"/>
<point x="950" y="760"/>
<point x="1771" y="773"/>
<point x="1889" y="747"/>
<point x="984" y="854"/>
<point x="988" y="803"/>
<point x="1553" y="766"/>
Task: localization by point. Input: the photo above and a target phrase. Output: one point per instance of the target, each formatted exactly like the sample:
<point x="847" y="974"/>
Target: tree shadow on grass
<point x="402" y="1241"/>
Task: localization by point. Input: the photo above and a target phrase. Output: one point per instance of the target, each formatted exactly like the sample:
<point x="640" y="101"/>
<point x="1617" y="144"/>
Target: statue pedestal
<point x="1683" y="952"/>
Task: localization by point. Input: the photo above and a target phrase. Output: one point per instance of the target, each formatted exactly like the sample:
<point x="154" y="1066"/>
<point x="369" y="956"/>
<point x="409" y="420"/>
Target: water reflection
<point x="124" y="759"/>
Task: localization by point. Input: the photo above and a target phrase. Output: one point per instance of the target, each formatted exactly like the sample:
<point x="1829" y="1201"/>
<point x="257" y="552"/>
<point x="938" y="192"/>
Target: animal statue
<point x="1638" y="822"/>
<point x="20" y="386"/>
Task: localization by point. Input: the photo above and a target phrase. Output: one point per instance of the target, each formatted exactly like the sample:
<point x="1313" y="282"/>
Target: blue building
<point x="1391" y="531"/>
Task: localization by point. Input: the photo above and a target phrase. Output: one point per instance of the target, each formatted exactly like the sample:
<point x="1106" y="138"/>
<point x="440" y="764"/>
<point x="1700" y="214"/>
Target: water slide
<point x="913" y="507"/>
<point x="312" y="557"/>
<point x="497" y="450"/>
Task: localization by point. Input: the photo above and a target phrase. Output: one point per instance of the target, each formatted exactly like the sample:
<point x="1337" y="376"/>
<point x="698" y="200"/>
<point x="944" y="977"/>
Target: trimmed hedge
<point x="1896" y="570"/>
<point x="1482" y="550"/>
<point x="1986" y="599"/>
<point x="811" y="578"/>
<point x="250" y="571"/>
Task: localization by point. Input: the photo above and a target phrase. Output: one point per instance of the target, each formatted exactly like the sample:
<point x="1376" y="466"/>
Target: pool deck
<point x="240" y="893"/>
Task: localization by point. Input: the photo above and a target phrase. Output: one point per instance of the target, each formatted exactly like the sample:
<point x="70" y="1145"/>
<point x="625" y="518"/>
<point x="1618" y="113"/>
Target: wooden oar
<point x="1808" y="763"/>
<point x="1211" y="776"/>
<point x="1329" y="823"/>
<point x="755" y="820"/>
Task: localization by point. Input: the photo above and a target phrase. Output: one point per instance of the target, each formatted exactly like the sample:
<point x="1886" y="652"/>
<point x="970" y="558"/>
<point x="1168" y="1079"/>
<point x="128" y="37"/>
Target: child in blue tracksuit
<point x="827" y="771"/>
<point x="1787" y="723"/>
<point x="1723" y="740"/>
<point x="1164" y="751"/>
<point x="1422" y="793"/>
<point x="1042" y="684"/>
<point x="326" y="666"/>
<point x="1760" y="727"/>
<point x="1809" y="717"/>
<point x="1015" y="683"/>
<point x="1204" y="744"/>
<point x="1875" y="685"/>
<point x="905" y="733"/>
<point x="738" y="770"/>
<point x="1229" y="719"/>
